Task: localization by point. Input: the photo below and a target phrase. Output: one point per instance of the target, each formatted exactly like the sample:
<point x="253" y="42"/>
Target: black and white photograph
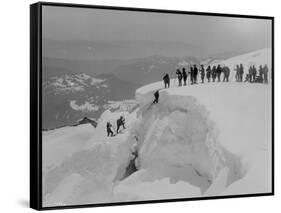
<point x="142" y="105"/>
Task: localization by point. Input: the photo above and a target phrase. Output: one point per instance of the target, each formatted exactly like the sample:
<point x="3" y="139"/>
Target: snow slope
<point x="224" y="134"/>
<point x="80" y="164"/>
<point x="191" y="144"/>
<point x="202" y="140"/>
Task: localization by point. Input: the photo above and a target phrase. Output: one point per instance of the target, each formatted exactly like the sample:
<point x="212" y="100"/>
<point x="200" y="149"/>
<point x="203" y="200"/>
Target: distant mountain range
<point x="137" y="71"/>
<point x="69" y="97"/>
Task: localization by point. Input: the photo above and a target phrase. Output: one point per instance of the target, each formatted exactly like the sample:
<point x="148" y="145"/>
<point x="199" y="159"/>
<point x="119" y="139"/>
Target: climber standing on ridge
<point x="191" y="75"/>
<point x="120" y="122"/>
<point x="195" y="70"/>
<point x="179" y="74"/>
<point x="254" y="73"/>
<point x="184" y="75"/>
<point x="265" y="73"/>
<point x="218" y="71"/>
<point x="241" y="72"/>
<point x="202" y="72"/>
<point x="261" y="73"/>
<point x="108" y="129"/>
<point x="237" y="74"/>
<point x="214" y="73"/>
<point x="250" y="74"/>
<point x="156" y="96"/>
<point x="208" y="70"/>
<point x="166" y="79"/>
<point x="226" y="72"/>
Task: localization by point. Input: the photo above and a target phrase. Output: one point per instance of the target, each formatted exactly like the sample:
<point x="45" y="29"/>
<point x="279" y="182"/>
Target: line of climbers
<point x="213" y="74"/>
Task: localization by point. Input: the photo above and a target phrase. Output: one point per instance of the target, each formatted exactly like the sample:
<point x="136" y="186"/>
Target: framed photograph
<point x="134" y="105"/>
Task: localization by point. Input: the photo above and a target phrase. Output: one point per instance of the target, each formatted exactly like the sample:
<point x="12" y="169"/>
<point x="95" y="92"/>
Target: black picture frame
<point x="36" y="103"/>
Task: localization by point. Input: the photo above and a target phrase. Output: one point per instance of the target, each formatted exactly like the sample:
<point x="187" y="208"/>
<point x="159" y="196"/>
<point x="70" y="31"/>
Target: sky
<point x="209" y="33"/>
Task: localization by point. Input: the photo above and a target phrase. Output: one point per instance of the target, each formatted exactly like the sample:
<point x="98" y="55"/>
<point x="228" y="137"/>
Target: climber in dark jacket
<point x="191" y="75"/>
<point x="265" y="74"/>
<point x="195" y="70"/>
<point x="237" y="74"/>
<point x="214" y="74"/>
<point x="250" y="72"/>
<point x="179" y="74"/>
<point x="208" y="70"/>
<point x="184" y="75"/>
<point x="226" y="72"/>
<point x="156" y="95"/>
<point x="166" y="79"/>
<point x="108" y="129"/>
<point x="241" y="71"/>
<point x="254" y="73"/>
<point x="261" y="73"/>
<point x="218" y="72"/>
<point x="120" y="122"/>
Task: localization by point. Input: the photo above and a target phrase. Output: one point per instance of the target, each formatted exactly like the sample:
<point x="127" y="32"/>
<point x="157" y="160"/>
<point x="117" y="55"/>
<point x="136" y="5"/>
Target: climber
<point x="120" y="122"/>
<point x="179" y="74"/>
<point x="166" y="79"/>
<point x="202" y="72"/>
<point x="108" y="128"/>
<point x="195" y="70"/>
<point x="265" y="74"/>
<point x="208" y="70"/>
<point x="184" y="75"/>
<point x="214" y="74"/>
<point x="156" y="95"/>
<point x="226" y="72"/>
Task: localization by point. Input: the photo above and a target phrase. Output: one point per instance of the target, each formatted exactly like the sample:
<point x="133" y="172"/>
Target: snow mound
<point x="207" y="138"/>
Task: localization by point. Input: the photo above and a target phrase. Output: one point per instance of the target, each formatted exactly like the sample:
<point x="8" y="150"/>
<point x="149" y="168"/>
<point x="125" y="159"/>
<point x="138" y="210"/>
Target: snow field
<point x="207" y="139"/>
